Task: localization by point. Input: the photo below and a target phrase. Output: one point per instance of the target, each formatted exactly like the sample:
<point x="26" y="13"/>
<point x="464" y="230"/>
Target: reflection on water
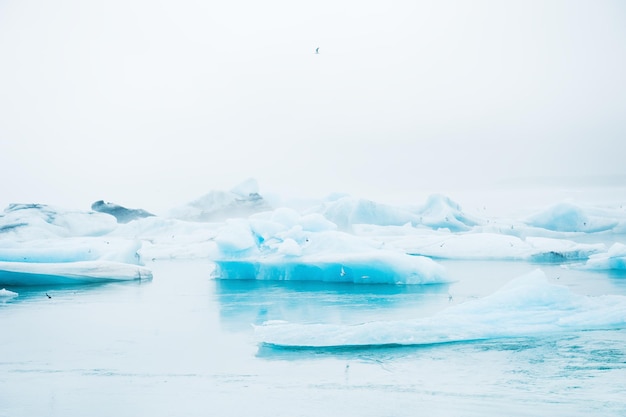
<point x="246" y="302"/>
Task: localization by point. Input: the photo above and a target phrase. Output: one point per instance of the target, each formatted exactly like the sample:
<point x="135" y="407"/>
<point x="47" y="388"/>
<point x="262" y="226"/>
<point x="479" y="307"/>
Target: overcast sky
<point x="153" y="103"/>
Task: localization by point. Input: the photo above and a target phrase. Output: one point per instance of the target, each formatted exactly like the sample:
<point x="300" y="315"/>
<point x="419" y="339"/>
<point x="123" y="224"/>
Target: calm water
<point x="183" y="345"/>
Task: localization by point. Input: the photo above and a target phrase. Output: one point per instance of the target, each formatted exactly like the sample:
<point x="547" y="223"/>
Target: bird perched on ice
<point x="317" y="50"/>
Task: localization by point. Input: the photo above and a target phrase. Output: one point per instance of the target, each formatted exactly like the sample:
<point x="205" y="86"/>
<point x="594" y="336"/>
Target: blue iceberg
<point x="282" y="245"/>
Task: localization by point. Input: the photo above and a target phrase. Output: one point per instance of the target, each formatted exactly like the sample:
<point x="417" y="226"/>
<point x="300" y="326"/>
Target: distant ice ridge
<point x="121" y="214"/>
<point x="568" y="217"/>
<point x="283" y="245"/>
<point x="439" y="212"/>
<point x="527" y="306"/>
<point x="491" y="246"/>
<point x="241" y="201"/>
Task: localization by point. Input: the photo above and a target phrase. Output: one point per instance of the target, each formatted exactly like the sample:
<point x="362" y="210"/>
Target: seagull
<point x="343" y="272"/>
<point x="317" y="50"/>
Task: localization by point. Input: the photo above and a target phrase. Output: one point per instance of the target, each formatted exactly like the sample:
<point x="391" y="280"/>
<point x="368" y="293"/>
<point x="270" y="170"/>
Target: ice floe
<point x="527" y="306"/>
<point x="82" y="272"/>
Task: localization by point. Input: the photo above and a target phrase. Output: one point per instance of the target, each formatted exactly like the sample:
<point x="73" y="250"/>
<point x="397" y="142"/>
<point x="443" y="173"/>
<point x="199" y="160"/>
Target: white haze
<point x="153" y="103"/>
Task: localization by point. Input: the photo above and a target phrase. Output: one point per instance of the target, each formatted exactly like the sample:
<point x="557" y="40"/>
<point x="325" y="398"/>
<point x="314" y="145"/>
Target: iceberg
<point x="71" y="249"/>
<point x="568" y="217"/>
<point x="492" y="246"/>
<point x="164" y="238"/>
<point x="614" y="259"/>
<point x="44" y="245"/>
<point x="37" y="221"/>
<point x="528" y="306"/>
<point x="348" y="211"/>
<point x="85" y="272"/>
<point x="439" y="212"/>
<point x="283" y="245"/>
<point x="241" y="201"/>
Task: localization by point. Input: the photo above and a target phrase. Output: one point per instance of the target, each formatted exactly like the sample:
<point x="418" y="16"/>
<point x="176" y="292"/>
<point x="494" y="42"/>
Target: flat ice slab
<point x="26" y="274"/>
<point x="527" y="306"/>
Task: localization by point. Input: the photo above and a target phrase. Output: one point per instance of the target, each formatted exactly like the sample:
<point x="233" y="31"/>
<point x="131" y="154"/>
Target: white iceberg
<point x="568" y="217"/>
<point x="6" y="294"/>
<point x="86" y="272"/>
<point x="439" y="212"/>
<point x="614" y="259"/>
<point x="37" y="221"/>
<point x="348" y="211"/>
<point x="49" y="245"/>
<point x="241" y="201"/>
<point x="526" y="307"/>
<point x="71" y="249"/>
<point x="492" y="246"/>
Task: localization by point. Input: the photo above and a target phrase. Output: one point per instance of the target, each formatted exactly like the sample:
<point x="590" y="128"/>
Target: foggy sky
<point x="154" y="103"/>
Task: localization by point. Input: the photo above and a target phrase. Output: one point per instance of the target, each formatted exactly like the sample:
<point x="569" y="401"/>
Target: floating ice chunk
<point x="348" y="211"/>
<point x="567" y="217"/>
<point x="527" y="306"/>
<point x="614" y="259"/>
<point x="26" y="274"/>
<point x="440" y="212"/>
<point x="278" y="246"/>
<point x="6" y="294"/>
<point x="71" y="249"/>
<point x="37" y="221"/>
<point x="268" y="250"/>
<point x="377" y="267"/>
<point x="170" y="238"/>
<point x="491" y="246"/>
